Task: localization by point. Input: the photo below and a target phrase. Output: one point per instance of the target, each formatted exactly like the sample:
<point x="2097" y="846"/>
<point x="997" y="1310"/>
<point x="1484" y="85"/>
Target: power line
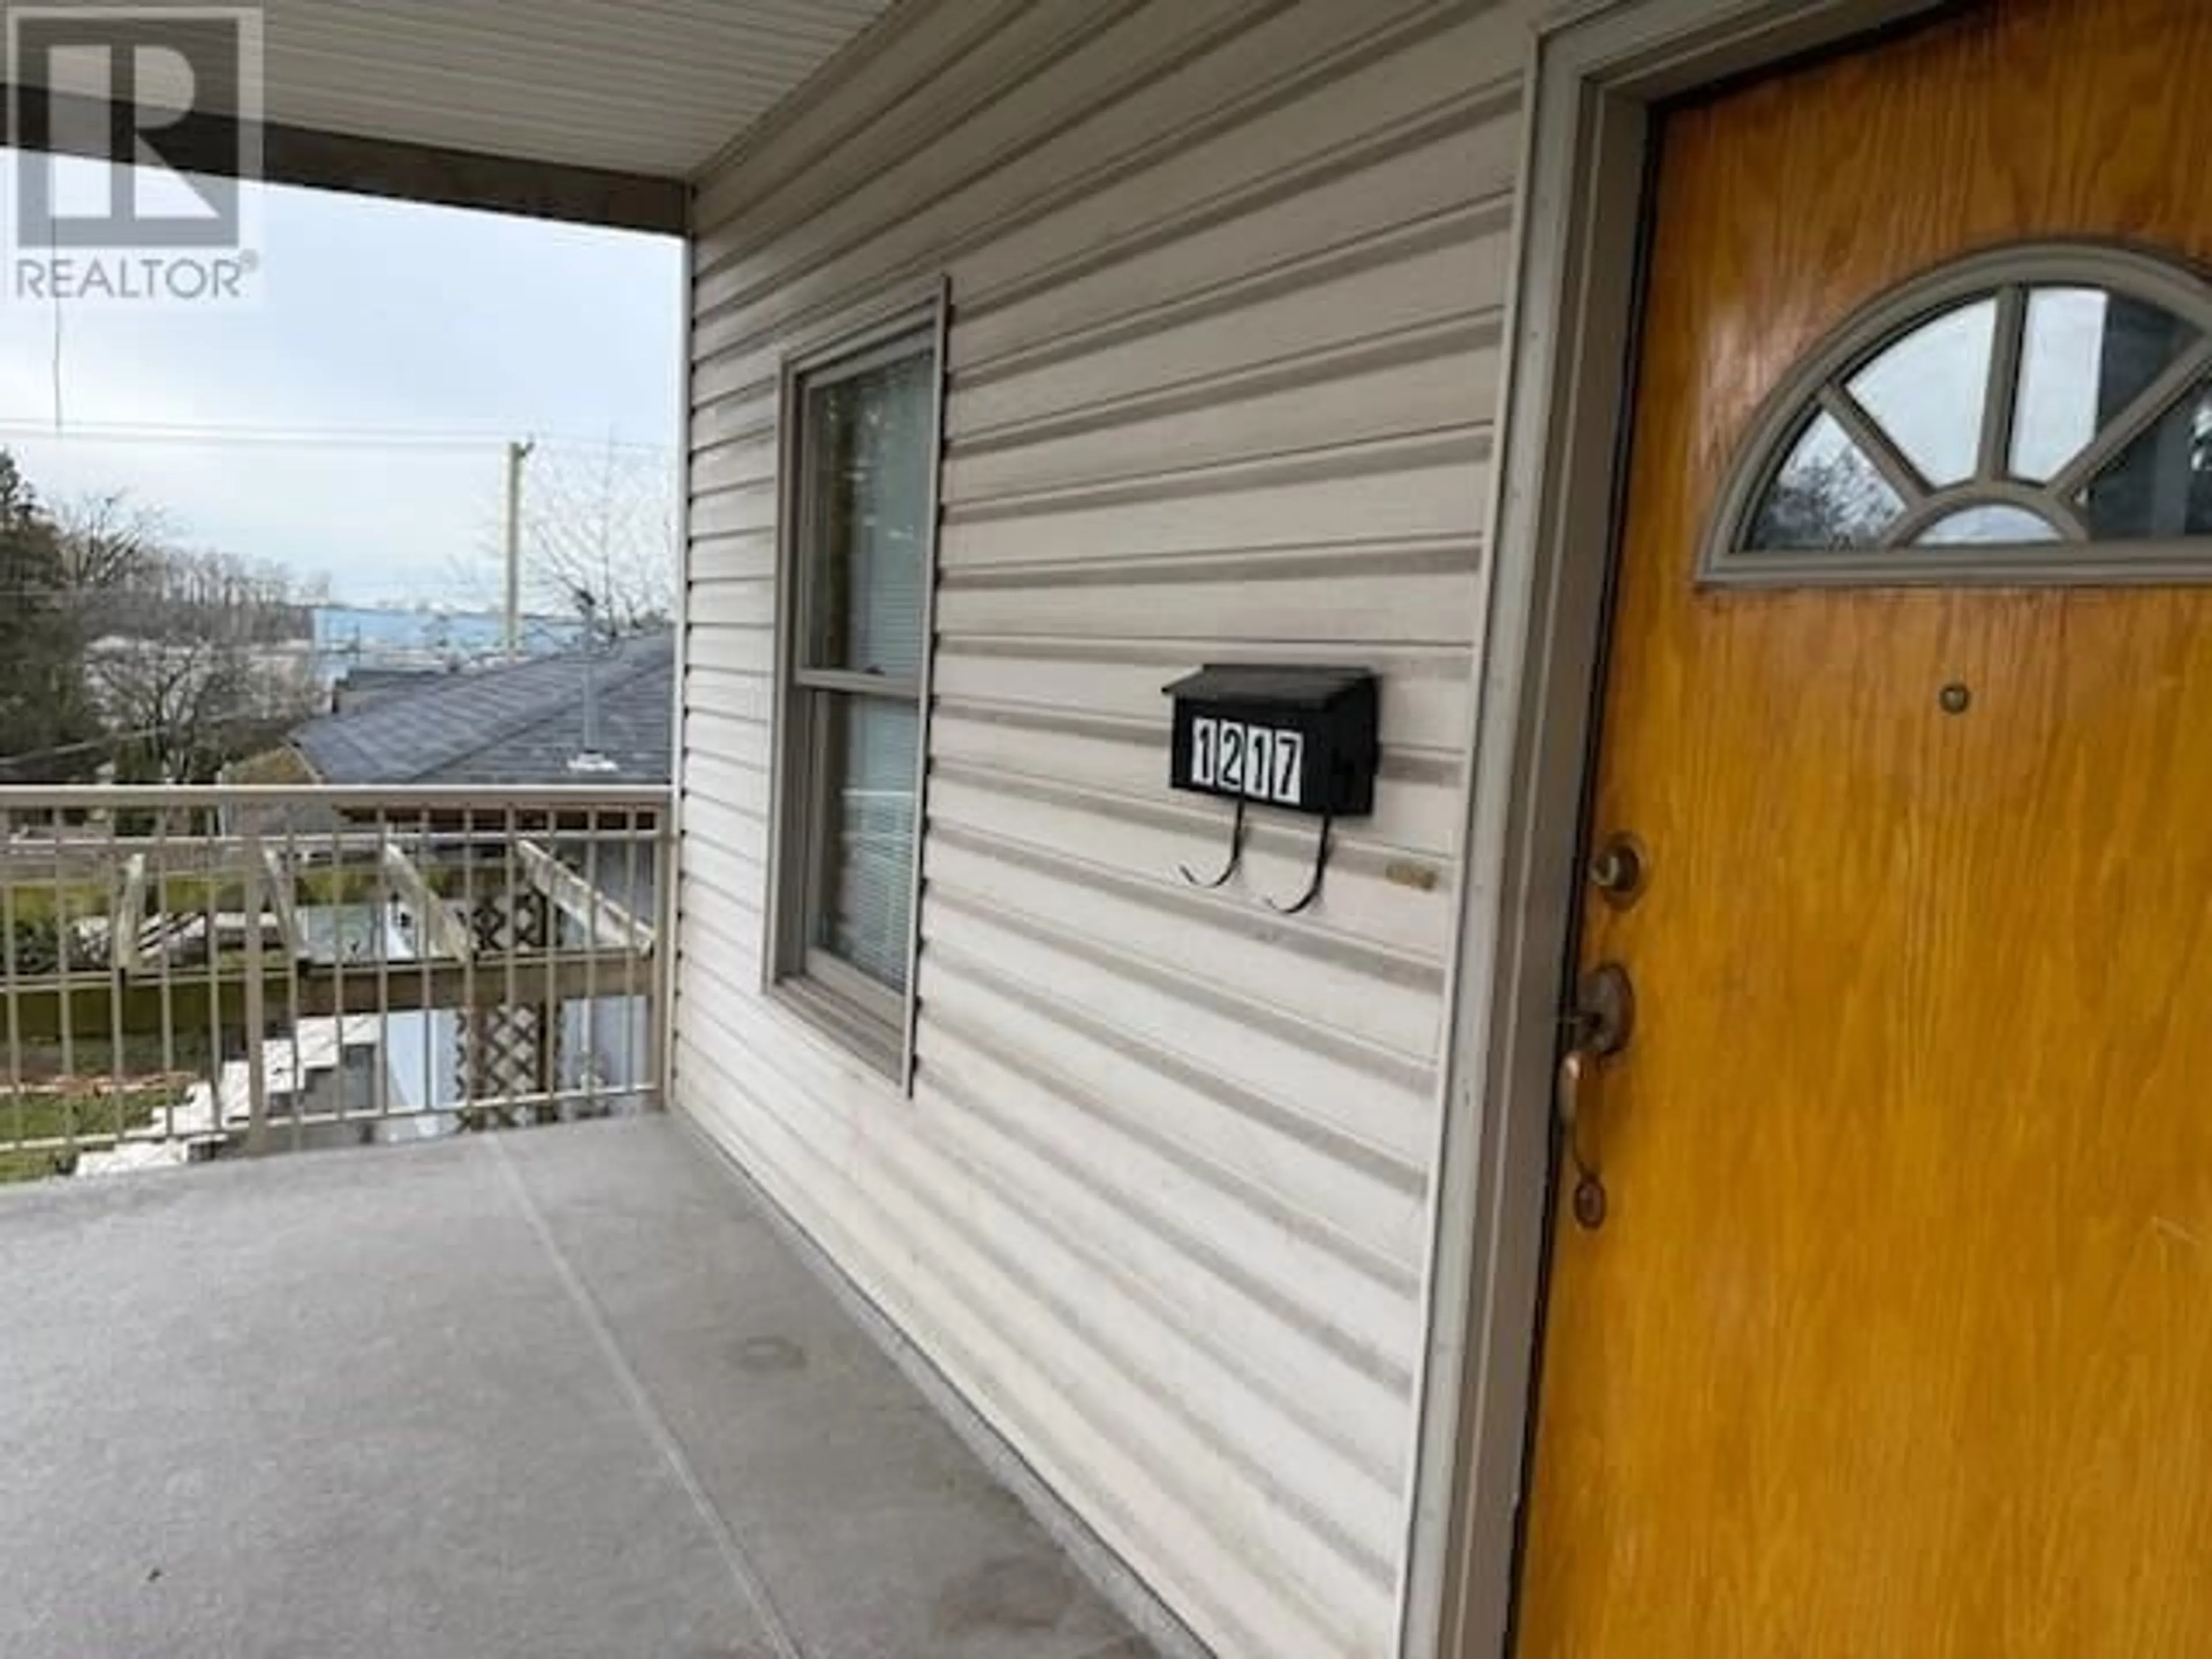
<point x="53" y="232"/>
<point x="329" y="437"/>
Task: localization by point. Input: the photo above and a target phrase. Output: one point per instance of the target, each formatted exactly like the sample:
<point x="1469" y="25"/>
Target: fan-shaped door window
<point x="2038" y="414"/>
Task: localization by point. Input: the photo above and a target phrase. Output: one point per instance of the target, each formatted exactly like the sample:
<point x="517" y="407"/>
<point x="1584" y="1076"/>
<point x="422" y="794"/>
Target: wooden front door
<point x="1896" y="1339"/>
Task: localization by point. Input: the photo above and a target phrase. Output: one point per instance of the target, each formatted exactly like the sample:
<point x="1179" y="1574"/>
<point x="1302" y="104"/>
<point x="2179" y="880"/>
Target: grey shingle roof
<point x="520" y="723"/>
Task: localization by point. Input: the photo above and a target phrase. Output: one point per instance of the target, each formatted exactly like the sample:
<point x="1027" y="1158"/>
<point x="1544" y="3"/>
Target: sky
<point x="393" y="352"/>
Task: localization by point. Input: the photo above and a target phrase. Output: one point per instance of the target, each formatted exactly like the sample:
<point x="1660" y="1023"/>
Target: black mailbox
<point x="1303" y="740"/>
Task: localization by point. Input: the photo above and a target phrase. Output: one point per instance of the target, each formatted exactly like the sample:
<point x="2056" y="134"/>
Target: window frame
<point x="1726" y="561"/>
<point x="870" y="1020"/>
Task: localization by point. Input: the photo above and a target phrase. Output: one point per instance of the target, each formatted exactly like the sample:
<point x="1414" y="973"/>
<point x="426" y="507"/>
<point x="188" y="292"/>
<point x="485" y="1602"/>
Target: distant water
<point x="348" y="636"/>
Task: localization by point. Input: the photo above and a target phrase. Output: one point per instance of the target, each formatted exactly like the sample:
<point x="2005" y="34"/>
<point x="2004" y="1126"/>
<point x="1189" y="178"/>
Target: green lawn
<point x="43" y="1117"/>
<point x="91" y="1104"/>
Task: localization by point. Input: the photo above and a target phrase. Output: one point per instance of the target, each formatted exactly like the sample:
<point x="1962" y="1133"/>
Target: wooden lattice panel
<point x="509" y="1049"/>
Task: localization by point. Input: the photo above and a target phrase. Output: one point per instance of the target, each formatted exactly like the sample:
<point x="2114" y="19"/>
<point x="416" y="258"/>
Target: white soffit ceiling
<point x="634" y="86"/>
<point x="655" y="88"/>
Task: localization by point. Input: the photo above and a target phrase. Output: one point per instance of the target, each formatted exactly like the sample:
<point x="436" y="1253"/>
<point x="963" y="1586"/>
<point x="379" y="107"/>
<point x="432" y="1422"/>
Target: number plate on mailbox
<point x="1305" y="740"/>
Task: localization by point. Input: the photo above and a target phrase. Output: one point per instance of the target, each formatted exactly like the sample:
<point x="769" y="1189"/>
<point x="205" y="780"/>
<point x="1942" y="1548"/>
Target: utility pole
<point x="517" y="453"/>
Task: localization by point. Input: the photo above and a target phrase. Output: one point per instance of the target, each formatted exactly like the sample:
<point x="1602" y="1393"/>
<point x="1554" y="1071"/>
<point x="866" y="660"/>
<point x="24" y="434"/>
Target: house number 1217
<point x="1260" y="763"/>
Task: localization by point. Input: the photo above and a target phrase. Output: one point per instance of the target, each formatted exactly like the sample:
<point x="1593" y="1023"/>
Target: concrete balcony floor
<point x="556" y="1392"/>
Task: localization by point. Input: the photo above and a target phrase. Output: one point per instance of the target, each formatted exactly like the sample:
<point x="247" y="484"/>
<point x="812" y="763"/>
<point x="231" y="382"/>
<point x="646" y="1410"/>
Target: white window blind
<point x="868" y="863"/>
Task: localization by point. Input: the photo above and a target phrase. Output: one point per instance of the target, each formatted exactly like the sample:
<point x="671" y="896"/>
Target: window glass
<point x="867" y="824"/>
<point x="1827" y="495"/>
<point x="1927" y="392"/>
<point x="867" y="464"/>
<point x="1991" y="523"/>
<point x="2161" y="483"/>
<point x="2085" y="356"/>
<point x="2060" y="395"/>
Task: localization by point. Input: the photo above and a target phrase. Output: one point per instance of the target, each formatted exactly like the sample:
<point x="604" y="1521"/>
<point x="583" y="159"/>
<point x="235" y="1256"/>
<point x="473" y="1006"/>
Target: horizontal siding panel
<point x="1033" y="289"/>
<point x="1171" y="1135"/>
<point x="1279" y="1253"/>
<point x="1174" y="97"/>
<point x="1361" y="992"/>
<point x="1325" y="600"/>
<point x="747" y="508"/>
<point x="729" y="378"/>
<point x="1396" y="492"/>
<point x="738" y="878"/>
<point x="722" y="932"/>
<point x="1320" y="1505"/>
<point x="1047" y="1163"/>
<point x="1211" y="1217"/>
<point x="747" y="416"/>
<point x="726" y="824"/>
<point x="902" y="74"/>
<point x="744" y="741"/>
<point x="731" y="692"/>
<point x="878" y="110"/>
<point x="730" y="463"/>
<point x="1365" y="1112"/>
<point x="1425" y="697"/>
<point x="1228" y="282"/>
<point x="1409" y="382"/>
<point x="743" y="650"/>
<point x="1427" y="283"/>
<point x="969" y="77"/>
<point x="1419" y="812"/>
<point x="746" y="602"/>
<point x="733" y="828"/>
<point x="1118" y="44"/>
<point x="719" y="929"/>
<point x="1134" y="836"/>
<point x="1361" y="106"/>
<point x="723" y="558"/>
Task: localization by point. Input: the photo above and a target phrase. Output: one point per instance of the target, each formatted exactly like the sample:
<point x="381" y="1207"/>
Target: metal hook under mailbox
<point x="1236" y="855"/>
<point x="1319" y="869"/>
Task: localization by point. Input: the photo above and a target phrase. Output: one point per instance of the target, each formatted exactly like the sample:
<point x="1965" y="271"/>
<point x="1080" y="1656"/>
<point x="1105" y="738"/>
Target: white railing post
<point x="660" y="975"/>
<point x="257" y="1011"/>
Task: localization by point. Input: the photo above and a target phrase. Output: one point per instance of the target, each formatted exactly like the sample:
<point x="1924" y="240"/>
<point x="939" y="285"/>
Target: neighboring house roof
<point x="520" y="723"/>
<point x="361" y="687"/>
<point x="272" y="766"/>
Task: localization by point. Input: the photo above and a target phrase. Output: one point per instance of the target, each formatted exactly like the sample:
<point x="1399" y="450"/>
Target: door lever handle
<point x="1589" y="1198"/>
<point x="1599" y="1028"/>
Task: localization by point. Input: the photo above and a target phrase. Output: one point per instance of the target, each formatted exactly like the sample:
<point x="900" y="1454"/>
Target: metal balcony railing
<point x="190" y="972"/>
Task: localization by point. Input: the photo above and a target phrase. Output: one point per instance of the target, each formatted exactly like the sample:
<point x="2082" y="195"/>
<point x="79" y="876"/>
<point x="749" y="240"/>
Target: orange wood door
<point x="1898" y="1338"/>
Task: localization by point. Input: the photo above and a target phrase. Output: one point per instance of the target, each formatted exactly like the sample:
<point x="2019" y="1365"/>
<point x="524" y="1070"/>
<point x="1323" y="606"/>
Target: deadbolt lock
<point x="1618" y="869"/>
<point x="1604" y="1016"/>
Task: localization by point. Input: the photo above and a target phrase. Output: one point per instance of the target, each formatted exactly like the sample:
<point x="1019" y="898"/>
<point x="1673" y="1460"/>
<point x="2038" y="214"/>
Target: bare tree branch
<point x="599" y="520"/>
<point x="108" y="540"/>
<point x="192" y="660"/>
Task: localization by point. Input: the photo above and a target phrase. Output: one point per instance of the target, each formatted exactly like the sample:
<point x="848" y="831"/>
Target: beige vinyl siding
<point x="1227" y="283"/>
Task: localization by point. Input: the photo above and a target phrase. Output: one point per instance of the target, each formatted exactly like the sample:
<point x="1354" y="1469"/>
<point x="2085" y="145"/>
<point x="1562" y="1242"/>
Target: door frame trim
<point x="1599" y="68"/>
